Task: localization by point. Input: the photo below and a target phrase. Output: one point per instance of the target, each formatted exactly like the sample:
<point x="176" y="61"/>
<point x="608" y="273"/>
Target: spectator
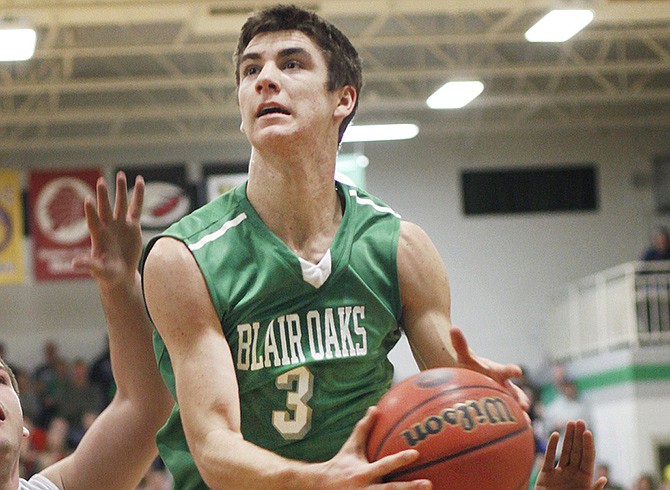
<point x="100" y="374"/>
<point x="48" y="377"/>
<point x="4" y="355"/>
<point x="660" y="247"/>
<point x="565" y="407"/>
<point x="31" y="449"/>
<point x="645" y="481"/>
<point x="535" y="410"/>
<point x="76" y="432"/>
<point x="56" y="444"/>
<point x="78" y="396"/>
<point x="30" y="400"/>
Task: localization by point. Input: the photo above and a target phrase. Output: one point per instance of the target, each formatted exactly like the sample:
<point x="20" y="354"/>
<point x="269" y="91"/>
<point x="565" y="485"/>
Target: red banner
<point x="57" y="221"/>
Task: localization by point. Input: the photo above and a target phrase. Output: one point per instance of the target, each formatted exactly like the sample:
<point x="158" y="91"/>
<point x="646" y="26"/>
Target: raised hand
<point x="499" y="372"/>
<point x="574" y="470"/>
<point x="116" y="237"/>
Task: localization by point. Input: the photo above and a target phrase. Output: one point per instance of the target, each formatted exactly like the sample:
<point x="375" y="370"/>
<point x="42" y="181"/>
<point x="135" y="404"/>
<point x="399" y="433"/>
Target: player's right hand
<point x="350" y="468"/>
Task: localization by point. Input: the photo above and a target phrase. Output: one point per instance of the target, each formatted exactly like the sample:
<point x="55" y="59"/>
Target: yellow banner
<point x="11" y="227"/>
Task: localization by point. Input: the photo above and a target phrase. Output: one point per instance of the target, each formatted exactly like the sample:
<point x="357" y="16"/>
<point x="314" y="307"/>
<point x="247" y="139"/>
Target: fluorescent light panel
<point x="380" y="132"/>
<point x="454" y="95"/>
<point x="17" y="44"/>
<point x="559" y="25"/>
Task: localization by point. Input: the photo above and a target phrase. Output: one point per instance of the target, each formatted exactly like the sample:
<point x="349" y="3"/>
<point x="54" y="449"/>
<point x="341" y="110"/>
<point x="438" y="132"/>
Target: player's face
<point x="11" y="416"/>
<point x="283" y="92"/>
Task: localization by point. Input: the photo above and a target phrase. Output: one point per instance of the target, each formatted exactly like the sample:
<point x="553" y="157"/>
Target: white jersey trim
<point x="369" y="202"/>
<point x="218" y="233"/>
<point x="37" y="482"/>
<point x="317" y="274"/>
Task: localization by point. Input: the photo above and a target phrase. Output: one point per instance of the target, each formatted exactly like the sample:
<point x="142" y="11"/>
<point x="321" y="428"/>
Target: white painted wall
<point x="615" y="428"/>
<point x="503" y="270"/>
<point x="628" y="422"/>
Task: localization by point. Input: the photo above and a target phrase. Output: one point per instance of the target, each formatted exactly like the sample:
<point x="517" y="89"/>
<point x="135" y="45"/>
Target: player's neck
<point x="9" y="475"/>
<point x="297" y="200"/>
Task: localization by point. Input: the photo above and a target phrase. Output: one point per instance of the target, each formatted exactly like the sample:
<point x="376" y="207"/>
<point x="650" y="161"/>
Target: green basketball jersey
<point x="309" y="342"/>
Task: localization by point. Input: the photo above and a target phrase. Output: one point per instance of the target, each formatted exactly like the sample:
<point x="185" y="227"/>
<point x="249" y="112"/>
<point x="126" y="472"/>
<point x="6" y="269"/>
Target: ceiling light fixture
<point x="380" y="132"/>
<point x="559" y="25"/>
<point x="454" y="95"/>
<point x="17" y="41"/>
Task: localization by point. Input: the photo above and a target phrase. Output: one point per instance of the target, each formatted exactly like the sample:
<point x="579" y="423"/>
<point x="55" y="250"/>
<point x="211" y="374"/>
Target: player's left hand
<point x="574" y="470"/>
<point x="499" y="372"/>
<point x="116" y="236"/>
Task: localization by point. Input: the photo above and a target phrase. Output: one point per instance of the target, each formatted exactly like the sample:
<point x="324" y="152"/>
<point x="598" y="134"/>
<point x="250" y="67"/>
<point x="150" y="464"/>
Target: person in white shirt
<point x="119" y="447"/>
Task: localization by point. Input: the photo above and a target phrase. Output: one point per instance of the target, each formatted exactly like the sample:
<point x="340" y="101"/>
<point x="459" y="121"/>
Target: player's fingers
<point x="460" y="344"/>
<point x="137" y="201"/>
<point x="391" y="463"/>
<point x="600" y="483"/>
<point x="588" y="452"/>
<point x="550" y="452"/>
<point x="518" y="394"/>
<point x="405" y="485"/>
<point x="577" y="450"/>
<point x="121" y="199"/>
<point x="510" y="370"/>
<point x="566" y="450"/>
<point x="92" y="220"/>
<point x="104" y="208"/>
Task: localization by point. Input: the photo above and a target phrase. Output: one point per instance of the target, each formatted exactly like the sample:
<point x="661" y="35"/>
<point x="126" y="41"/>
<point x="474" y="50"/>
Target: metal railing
<point x="625" y="306"/>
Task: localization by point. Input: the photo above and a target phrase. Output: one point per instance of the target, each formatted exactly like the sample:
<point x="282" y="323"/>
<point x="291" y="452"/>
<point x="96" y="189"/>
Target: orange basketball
<point x="471" y="434"/>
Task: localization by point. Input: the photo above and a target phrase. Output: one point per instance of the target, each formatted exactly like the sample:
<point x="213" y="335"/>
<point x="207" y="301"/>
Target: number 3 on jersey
<point x="295" y="422"/>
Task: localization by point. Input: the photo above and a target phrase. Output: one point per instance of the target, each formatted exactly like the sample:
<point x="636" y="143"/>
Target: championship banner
<point x="167" y="196"/>
<point x="220" y="178"/>
<point x="11" y="228"/>
<point x="57" y="220"/>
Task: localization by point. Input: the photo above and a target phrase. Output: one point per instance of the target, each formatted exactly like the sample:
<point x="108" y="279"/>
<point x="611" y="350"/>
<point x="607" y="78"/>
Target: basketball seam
<point x="456" y="455"/>
<point x="417" y="407"/>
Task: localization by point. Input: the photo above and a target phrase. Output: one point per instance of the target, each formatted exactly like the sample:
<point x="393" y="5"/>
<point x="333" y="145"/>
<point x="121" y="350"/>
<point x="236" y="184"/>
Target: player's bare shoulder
<point x="421" y="273"/>
<point x="414" y="247"/>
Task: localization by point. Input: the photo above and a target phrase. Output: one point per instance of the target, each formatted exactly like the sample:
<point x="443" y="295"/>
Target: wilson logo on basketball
<point x="467" y="416"/>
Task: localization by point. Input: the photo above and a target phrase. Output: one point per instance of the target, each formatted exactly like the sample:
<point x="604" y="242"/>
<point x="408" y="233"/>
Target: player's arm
<point x="574" y="470"/>
<point x="119" y="447"/>
<point x="426" y="316"/>
<point x="207" y="391"/>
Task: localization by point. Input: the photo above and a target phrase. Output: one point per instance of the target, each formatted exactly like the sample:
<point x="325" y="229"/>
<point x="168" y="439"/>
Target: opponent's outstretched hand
<point x="116" y="236"/>
<point x="499" y="372"/>
<point x="350" y="468"/>
<point x="574" y="470"/>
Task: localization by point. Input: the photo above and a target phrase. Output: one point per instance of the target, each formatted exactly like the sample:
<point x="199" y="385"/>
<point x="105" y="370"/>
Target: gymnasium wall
<point x="503" y="269"/>
<point x="628" y="395"/>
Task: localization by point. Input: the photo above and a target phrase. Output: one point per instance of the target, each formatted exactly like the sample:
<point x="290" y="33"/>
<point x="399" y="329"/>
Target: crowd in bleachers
<point x="61" y="398"/>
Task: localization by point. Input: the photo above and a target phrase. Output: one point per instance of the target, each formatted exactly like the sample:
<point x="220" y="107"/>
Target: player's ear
<point x="346" y="102"/>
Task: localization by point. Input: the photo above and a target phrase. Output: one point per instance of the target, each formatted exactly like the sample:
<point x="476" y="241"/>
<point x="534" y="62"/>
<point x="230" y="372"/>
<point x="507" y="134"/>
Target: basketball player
<point x="276" y="305"/>
<point x="119" y="447"/>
